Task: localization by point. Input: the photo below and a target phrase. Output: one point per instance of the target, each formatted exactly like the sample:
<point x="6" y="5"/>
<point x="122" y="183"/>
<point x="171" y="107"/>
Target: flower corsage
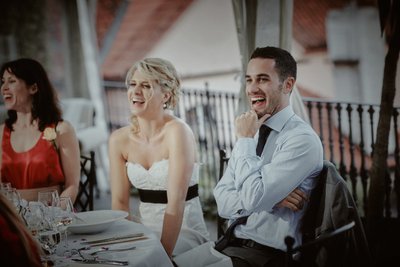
<point x="50" y="135"/>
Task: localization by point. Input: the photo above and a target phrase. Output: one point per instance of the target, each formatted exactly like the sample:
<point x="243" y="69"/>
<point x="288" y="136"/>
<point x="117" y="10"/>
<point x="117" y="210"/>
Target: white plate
<point x="96" y="221"/>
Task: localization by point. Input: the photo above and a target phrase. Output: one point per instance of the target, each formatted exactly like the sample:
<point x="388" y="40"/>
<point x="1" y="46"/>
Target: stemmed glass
<point x="50" y="199"/>
<point x="14" y="197"/>
<point x="64" y="216"/>
<point x="50" y="236"/>
<point x="5" y="186"/>
<point x="49" y="239"/>
<point x="34" y="217"/>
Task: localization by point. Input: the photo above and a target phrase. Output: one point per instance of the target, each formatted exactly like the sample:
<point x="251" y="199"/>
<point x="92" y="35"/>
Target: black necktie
<point x="262" y="138"/>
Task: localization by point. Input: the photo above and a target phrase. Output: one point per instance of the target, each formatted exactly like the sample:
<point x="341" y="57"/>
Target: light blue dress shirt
<point x="253" y="185"/>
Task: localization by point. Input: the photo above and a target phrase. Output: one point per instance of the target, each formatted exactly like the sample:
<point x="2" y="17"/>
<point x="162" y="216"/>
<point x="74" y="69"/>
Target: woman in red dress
<point x="38" y="148"/>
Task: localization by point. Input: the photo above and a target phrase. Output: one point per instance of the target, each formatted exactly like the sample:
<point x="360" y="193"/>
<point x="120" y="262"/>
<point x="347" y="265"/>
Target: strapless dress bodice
<point x="156" y="177"/>
<point x="193" y="231"/>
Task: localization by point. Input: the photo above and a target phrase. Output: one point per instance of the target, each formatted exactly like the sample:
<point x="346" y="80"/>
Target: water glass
<point x="13" y="196"/>
<point x="64" y="215"/>
<point x="49" y="239"/>
<point x="34" y="217"/>
<point x="4" y="186"/>
<point x="50" y="199"/>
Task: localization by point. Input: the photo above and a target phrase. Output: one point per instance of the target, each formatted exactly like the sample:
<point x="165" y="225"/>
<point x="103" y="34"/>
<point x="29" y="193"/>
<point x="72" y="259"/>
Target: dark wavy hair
<point x="45" y="105"/>
<point x="285" y="64"/>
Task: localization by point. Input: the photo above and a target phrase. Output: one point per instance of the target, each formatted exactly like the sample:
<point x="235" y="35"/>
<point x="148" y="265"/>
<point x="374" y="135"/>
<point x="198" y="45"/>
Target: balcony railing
<point x="347" y="131"/>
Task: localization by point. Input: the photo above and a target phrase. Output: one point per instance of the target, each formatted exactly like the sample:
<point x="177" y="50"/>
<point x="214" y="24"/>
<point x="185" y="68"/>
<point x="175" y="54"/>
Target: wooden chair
<point x="84" y="199"/>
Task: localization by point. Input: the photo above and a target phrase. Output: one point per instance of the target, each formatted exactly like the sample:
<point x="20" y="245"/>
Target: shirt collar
<point x="278" y="120"/>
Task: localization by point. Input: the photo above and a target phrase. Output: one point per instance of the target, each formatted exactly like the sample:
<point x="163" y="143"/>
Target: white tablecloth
<point x="148" y="252"/>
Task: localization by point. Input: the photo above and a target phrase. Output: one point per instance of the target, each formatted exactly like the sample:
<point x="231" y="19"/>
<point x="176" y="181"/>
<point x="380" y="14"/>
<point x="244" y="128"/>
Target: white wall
<point x="203" y="43"/>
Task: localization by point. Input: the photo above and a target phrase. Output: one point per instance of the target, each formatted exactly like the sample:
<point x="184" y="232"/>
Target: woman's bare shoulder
<point x="64" y="127"/>
<point x="176" y="123"/>
<point x="177" y="127"/>
<point x="120" y="134"/>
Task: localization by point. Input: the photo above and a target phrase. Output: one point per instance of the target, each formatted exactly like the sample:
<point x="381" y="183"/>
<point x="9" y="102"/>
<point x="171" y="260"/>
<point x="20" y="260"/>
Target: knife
<point x="101" y="261"/>
<point x="110" y="239"/>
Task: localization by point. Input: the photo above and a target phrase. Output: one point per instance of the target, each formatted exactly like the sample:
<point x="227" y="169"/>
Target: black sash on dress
<point x="160" y="196"/>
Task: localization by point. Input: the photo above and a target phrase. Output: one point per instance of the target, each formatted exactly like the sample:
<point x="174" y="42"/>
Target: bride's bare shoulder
<point x="120" y="135"/>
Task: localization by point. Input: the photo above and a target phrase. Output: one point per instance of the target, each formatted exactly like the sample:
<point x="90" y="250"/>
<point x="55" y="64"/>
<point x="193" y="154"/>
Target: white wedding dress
<point x="193" y="231"/>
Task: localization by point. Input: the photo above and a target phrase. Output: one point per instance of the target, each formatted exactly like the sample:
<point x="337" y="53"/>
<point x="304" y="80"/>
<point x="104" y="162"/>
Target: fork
<point x="106" y="249"/>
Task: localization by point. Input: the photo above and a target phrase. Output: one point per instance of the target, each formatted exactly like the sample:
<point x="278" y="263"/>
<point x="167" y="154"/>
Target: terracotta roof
<point x="143" y="24"/>
<point x="309" y="20"/>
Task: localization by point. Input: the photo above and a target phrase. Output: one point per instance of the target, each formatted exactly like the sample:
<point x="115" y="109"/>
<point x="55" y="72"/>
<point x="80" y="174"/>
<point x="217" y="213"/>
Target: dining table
<point x="123" y="241"/>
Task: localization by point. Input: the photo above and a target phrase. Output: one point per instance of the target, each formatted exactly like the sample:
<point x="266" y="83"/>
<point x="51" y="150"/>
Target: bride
<point x="157" y="155"/>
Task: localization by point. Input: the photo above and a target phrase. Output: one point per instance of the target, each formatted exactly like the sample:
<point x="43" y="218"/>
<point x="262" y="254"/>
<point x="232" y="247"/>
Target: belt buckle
<point x="250" y="243"/>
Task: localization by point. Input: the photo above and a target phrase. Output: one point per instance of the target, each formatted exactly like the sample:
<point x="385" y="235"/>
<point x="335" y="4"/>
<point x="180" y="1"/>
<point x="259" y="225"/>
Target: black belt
<point x="160" y="196"/>
<point x="253" y="244"/>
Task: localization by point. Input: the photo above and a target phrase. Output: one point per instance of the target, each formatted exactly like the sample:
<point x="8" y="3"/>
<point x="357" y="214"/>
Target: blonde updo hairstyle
<point x="162" y="72"/>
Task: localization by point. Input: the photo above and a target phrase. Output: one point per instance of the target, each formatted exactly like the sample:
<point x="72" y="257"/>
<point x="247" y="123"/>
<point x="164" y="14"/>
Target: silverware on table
<point x="107" y="249"/>
<point x="102" y="261"/>
<point x="114" y="238"/>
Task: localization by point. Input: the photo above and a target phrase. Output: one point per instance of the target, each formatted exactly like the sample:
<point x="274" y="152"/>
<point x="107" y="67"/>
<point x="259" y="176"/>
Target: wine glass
<point x="14" y="197"/>
<point x="4" y="186"/>
<point x="34" y="217"/>
<point x="64" y="216"/>
<point x="50" y="199"/>
<point x="49" y="239"/>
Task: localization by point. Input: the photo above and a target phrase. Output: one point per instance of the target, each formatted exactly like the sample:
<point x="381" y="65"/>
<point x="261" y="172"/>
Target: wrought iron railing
<point x="347" y="131"/>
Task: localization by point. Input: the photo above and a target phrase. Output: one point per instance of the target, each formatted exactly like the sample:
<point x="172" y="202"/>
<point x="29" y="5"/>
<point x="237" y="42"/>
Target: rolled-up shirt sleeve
<point x="262" y="187"/>
<point x="229" y="202"/>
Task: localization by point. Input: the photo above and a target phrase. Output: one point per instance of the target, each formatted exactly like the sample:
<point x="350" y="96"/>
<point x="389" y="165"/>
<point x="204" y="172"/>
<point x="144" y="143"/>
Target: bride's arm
<point x="118" y="177"/>
<point x="181" y="146"/>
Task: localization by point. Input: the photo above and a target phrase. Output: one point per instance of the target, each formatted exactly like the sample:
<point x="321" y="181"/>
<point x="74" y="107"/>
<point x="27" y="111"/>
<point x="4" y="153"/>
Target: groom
<point x="272" y="168"/>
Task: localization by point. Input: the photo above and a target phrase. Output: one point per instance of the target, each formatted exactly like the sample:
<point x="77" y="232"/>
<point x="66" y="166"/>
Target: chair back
<point x="335" y="242"/>
<point x="84" y="199"/>
<point x="333" y="234"/>
<point x="221" y="222"/>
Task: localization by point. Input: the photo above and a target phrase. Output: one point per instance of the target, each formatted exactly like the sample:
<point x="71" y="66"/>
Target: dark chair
<point x="337" y="241"/>
<point x="333" y="234"/>
<point x="84" y="199"/>
<point x="221" y="222"/>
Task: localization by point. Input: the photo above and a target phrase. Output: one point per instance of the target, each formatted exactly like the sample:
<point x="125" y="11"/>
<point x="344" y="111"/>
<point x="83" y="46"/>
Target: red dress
<point x="38" y="167"/>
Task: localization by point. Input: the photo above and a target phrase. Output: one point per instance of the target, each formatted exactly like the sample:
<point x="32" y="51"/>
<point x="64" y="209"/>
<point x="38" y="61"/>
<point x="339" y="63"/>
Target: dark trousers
<point x="247" y="253"/>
